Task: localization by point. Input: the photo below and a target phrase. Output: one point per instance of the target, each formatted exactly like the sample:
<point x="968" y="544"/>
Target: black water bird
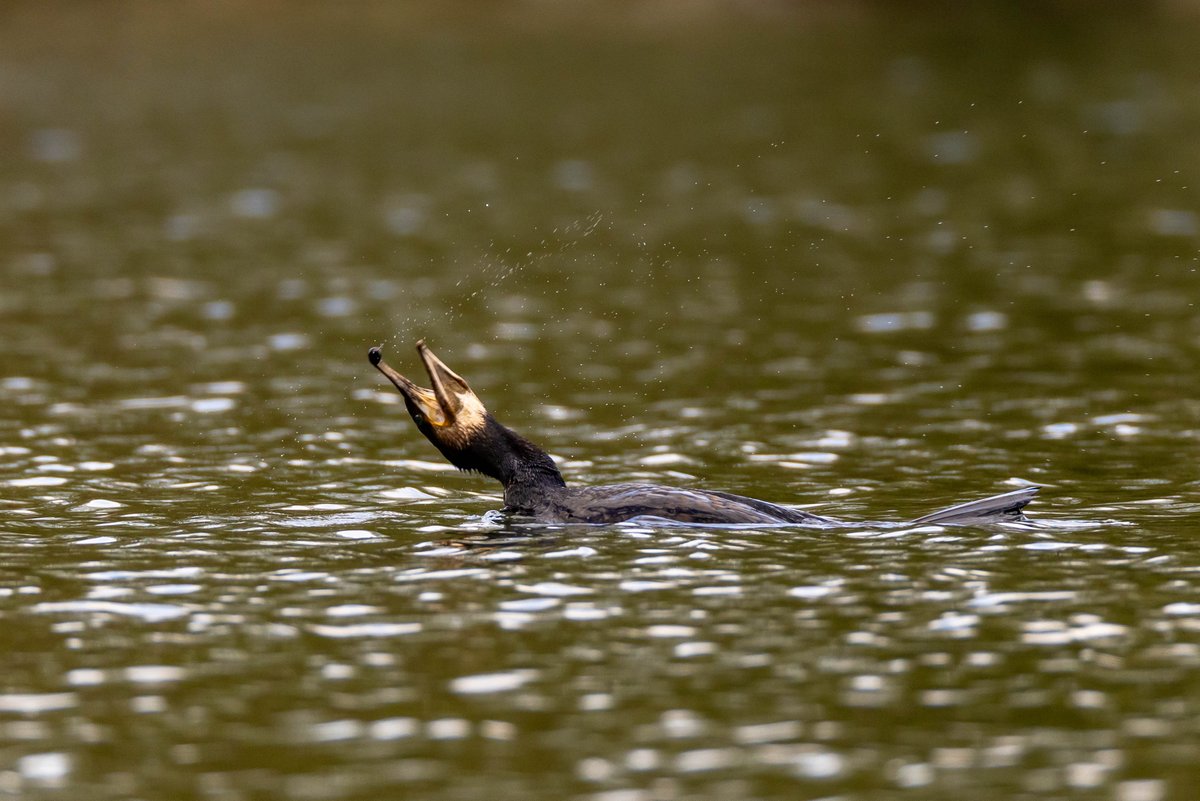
<point x="452" y="417"/>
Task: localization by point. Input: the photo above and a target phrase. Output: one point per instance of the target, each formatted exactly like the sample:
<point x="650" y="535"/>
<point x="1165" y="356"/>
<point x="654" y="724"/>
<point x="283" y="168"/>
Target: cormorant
<point x="452" y="417"/>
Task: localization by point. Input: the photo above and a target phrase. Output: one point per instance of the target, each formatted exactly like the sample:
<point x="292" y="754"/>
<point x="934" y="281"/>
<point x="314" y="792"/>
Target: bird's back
<point x="613" y="503"/>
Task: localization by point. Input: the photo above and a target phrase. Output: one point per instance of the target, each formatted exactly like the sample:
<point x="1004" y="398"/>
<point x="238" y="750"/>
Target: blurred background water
<point x="868" y="258"/>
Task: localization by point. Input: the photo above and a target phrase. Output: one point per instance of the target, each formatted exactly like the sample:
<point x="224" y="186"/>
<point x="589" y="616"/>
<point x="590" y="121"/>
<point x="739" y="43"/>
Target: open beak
<point x="441" y="404"/>
<point x="449" y="387"/>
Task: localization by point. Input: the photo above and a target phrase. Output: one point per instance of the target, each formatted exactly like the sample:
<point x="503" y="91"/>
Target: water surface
<point x="865" y="263"/>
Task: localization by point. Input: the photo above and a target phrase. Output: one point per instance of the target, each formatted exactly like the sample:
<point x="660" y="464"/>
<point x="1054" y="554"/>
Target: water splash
<point x="498" y="268"/>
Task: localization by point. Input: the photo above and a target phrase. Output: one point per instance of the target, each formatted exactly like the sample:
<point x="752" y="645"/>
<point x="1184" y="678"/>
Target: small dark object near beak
<point x="375" y="356"/>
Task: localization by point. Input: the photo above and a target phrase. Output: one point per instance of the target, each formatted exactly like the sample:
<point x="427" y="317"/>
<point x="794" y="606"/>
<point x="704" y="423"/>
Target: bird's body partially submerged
<point x="614" y="503"/>
<point x="453" y="418"/>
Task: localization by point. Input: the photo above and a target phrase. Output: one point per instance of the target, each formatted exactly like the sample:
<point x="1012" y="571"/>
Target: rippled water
<point x="864" y="263"/>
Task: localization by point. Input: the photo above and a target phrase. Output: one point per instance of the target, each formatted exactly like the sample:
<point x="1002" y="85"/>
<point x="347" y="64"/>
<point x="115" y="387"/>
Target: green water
<point x="868" y="260"/>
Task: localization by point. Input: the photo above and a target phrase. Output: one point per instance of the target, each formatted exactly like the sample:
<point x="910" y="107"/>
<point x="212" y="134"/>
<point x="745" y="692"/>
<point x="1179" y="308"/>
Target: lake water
<point x="868" y="260"/>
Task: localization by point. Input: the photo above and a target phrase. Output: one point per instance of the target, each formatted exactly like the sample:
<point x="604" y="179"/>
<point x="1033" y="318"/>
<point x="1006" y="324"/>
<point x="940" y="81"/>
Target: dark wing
<point x="617" y="502"/>
<point x="1004" y="508"/>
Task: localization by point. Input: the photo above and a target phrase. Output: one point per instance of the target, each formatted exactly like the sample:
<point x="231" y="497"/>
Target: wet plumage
<point x="452" y="417"/>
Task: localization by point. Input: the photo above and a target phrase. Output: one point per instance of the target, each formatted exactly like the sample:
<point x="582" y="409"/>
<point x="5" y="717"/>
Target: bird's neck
<point x="530" y="477"/>
<point x="523" y="468"/>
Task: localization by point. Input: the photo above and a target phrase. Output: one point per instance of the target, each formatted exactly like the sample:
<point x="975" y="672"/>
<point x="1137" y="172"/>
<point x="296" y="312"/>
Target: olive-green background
<point x="874" y="258"/>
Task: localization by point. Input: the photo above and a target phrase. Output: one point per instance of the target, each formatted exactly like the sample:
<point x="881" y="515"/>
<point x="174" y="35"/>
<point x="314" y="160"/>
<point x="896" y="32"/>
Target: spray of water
<point x="495" y="270"/>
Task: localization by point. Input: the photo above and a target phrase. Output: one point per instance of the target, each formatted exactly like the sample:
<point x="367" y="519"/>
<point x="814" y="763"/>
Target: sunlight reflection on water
<point x="233" y="570"/>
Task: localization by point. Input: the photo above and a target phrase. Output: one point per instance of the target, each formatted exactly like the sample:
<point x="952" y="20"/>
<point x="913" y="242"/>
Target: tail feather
<point x="1004" y="508"/>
